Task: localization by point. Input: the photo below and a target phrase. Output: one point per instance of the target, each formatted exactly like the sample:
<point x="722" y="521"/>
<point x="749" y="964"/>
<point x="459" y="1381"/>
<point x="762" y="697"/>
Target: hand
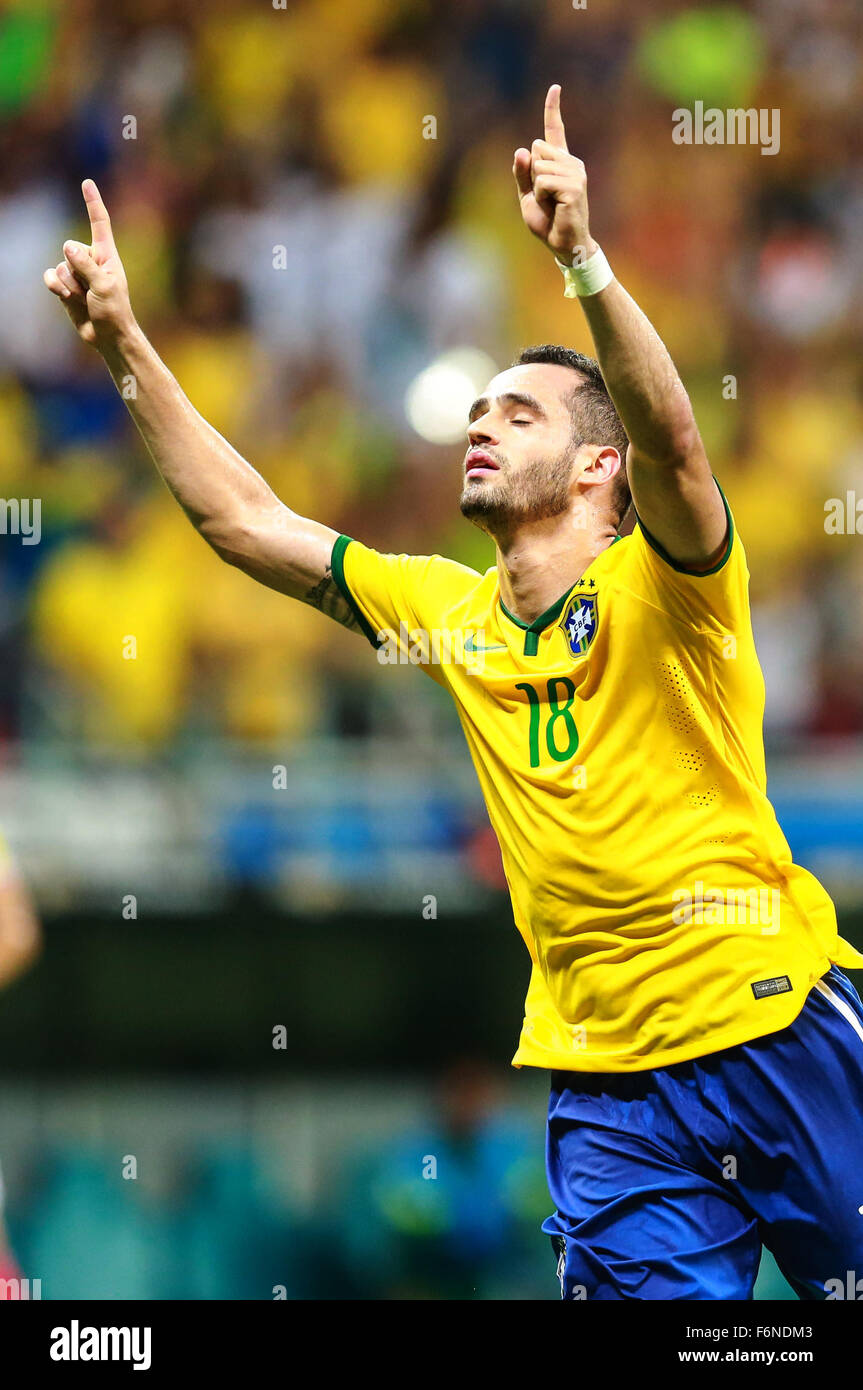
<point x="552" y="188"/>
<point x="91" y="281"/>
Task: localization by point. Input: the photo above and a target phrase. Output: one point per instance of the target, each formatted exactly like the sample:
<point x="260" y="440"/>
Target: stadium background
<point x="302" y="242"/>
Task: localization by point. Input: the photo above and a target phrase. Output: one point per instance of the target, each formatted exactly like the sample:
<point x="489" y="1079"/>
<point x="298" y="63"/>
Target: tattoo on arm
<point x="328" y="598"/>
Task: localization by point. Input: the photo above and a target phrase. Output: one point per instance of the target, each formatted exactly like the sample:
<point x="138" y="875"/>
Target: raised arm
<point x="231" y="505"/>
<point x="20" y="932"/>
<point x="672" y="485"/>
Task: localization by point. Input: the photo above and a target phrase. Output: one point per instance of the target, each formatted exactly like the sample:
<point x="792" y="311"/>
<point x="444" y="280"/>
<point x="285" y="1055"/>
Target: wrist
<point x="119" y="343"/>
<point x="586" y="276"/>
<point x="576" y="253"/>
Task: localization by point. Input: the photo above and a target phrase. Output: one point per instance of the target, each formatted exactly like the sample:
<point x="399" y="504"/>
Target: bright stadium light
<point x="439" y="398"/>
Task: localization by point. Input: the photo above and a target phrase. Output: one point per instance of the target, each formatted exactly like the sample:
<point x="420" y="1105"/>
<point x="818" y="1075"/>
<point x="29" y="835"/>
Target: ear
<point x="603" y="464"/>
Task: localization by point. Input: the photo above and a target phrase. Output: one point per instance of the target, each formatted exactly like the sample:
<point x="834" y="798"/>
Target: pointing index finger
<point x="100" y="222"/>
<point x="554" y="131"/>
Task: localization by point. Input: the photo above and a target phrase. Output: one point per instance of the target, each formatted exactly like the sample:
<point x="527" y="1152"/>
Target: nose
<point x="481" y="431"/>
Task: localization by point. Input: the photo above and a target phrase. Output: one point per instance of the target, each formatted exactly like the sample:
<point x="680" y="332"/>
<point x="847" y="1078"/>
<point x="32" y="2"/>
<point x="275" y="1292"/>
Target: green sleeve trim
<point x="338" y="567"/>
<point x="688" y="569"/>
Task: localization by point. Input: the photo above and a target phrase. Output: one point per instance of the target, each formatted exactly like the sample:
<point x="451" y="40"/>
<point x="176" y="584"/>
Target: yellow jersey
<point x="618" y="743"/>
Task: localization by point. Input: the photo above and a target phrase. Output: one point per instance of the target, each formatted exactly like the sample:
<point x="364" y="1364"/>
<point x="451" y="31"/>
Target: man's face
<point x="521" y="456"/>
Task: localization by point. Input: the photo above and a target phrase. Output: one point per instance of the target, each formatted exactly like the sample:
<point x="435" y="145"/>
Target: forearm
<point x="215" y="486"/>
<point x="666" y="466"/>
<point x="639" y="373"/>
<point x="229" y="503"/>
<point x="20" y="934"/>
<point x="641" y="378"/>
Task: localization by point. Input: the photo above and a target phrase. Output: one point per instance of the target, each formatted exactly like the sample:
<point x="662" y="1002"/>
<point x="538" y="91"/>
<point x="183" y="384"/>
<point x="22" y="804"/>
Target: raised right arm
<point x="226" y="500"/>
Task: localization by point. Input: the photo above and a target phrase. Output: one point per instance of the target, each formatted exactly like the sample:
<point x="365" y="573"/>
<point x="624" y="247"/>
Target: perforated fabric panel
<point x="681" y="712"/>
<point x="703" y="798"/>
<point x="690" y="760"/>
<point x="679" y="705"/>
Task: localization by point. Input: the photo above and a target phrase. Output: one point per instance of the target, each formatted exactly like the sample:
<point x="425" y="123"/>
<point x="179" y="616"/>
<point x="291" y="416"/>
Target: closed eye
<point x="521" y="422"/>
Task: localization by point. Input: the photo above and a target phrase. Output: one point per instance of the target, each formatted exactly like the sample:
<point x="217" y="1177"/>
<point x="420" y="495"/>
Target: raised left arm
<point x="674" y="491"/>
<point x="20" y="932"/>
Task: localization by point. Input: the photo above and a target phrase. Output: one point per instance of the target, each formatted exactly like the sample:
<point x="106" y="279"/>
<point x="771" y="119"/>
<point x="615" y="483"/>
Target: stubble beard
<point x="536" y="492"/>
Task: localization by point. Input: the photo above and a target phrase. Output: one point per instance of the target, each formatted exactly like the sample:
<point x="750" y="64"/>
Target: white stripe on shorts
<point x="840" y="1005"/>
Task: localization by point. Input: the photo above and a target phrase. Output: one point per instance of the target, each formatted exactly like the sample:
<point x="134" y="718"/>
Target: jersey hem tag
<point x="763" y="989"/>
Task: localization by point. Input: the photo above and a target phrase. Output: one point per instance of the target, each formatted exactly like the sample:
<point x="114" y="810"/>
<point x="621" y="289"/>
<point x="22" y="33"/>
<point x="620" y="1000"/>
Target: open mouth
<point x="479" y="464"/>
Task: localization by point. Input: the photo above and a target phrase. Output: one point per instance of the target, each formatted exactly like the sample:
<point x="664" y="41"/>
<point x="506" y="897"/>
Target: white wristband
<point x="586" y="279"/>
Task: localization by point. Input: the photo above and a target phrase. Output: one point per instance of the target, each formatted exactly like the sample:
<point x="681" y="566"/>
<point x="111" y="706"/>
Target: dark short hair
<point x="594" y="415"/>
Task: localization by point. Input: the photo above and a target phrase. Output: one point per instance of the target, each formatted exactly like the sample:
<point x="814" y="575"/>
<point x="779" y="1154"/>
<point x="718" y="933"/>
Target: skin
<point x="546" y="529"/>
<point x="20" y="944"/>
<point x="547" y="507"/>
<point x="20" y="934"/>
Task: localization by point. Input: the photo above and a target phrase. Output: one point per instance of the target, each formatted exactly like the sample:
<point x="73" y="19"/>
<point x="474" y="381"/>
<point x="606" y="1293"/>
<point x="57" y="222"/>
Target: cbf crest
<point x="579" y="623"/>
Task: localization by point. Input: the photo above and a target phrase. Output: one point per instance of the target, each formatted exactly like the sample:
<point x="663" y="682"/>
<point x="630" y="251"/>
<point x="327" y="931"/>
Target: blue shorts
<point x="668" y="1182"/>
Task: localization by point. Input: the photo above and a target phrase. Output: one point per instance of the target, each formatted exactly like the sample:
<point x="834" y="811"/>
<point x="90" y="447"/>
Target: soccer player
<point x="705" y="1048"/>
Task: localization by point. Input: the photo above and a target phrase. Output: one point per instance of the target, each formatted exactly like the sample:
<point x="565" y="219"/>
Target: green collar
<point x="532" y="630"/>
<point x="539" y="624"/>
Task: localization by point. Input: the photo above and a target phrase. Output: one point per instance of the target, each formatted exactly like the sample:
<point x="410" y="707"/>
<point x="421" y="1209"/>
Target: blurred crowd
<point x="446" y="1203"/>
<point x="313" y="201"/>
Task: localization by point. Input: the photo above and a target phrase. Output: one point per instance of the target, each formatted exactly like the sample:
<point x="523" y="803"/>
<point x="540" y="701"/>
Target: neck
<point x="540" y="561"/>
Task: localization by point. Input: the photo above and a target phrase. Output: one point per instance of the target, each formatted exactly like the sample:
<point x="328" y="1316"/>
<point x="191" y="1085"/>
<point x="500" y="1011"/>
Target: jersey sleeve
<point x="716" y="599"/>
<point x="400" y="601"/>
